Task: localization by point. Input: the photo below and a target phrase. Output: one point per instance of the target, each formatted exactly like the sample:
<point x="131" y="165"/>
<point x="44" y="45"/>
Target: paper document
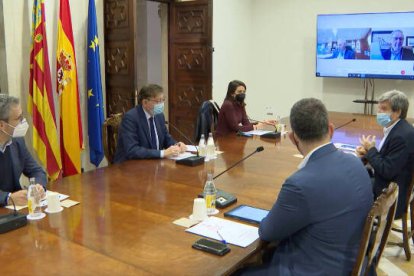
<point x="256" y="132"/>
<point x="347" y="148"/>
<point x="181" y="156"/>
<point x="191" y="148"/>
<point x="232" y="232"/>
<point x="43" y="202"/>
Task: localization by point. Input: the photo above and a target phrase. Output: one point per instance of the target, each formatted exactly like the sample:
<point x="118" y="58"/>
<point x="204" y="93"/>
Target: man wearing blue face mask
<point x="393" y="158"/>
<point x="15" y="159"/>
<point x="142" y="133"/>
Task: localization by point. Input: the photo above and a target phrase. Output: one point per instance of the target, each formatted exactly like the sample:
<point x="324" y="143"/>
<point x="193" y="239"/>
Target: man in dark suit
<point x="343" y="51"/>
<point x="397" y="51"/>
<point x="321" y="209"/>
<point x="393" y="159"/>
<point x="15" y="159"/>
<point x="143" y="134"/>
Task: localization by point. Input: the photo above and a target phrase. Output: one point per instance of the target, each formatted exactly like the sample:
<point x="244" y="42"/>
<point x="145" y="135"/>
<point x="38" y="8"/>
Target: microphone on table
<point x="12" y="221"/>
<point x="224" y="199"/>
<point x="192" y="160"/>
<point x="347" y="123"/>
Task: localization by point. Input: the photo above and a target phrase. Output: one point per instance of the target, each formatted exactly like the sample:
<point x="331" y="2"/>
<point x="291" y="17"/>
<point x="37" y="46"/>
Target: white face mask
<point x="19" y="130"/>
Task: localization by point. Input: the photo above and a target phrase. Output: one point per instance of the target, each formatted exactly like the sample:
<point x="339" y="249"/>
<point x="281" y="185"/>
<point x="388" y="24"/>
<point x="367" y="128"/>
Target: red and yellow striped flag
<point x="40" y="103"/>
<point x="71" y="137"/>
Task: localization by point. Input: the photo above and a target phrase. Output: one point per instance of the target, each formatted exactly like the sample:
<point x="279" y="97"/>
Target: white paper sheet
<point x="257" y="132"/>
<point x="191" y="148"/>
<point x="232" y="232"/>
<point x="43" y="202"/>
<point x="181" y="156"/>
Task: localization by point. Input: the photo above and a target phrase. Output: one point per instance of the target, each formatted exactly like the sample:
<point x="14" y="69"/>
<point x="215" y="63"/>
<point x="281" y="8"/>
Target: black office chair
<point x="206" y="119"/>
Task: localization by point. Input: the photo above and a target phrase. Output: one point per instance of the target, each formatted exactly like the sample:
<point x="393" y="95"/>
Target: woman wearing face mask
<point x="142" y="133"/>
<point x="232" y="116"/>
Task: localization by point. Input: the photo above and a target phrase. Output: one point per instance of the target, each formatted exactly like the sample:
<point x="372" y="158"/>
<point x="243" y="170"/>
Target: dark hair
<point x="149" y="91"/>
<point x="6" y="102"/>
<point x="309" y="119"/>
<point x="232" y="88"/>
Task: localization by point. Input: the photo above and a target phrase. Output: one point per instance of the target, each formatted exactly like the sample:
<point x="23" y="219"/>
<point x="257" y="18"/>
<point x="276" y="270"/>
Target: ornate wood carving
<point x="190" y="59"/>
<point x="116" y="14"/>
<point x="117" y="58"/>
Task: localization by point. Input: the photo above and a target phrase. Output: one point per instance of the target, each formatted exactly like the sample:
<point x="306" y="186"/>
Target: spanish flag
<point x="40" y="103"/>
<point x="71" y="136"/>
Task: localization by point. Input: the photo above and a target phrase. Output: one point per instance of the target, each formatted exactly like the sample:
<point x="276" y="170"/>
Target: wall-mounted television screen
<point x="365" y="45"/>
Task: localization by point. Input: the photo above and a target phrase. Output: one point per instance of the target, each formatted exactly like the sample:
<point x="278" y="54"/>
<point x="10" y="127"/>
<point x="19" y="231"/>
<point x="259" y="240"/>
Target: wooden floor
<point x="393" y="261"/>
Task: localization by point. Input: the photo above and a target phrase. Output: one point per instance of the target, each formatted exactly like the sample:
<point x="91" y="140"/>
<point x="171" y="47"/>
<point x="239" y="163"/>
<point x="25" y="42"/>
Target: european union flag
<point x="95" y="102"/>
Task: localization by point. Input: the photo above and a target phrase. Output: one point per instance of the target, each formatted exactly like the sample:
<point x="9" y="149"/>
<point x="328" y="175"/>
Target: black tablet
<point x="247" y="213"/>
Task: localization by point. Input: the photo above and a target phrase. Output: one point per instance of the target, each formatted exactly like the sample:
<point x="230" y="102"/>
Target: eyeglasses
<point x="398" y="38"/>
<point x="157" y="101"/>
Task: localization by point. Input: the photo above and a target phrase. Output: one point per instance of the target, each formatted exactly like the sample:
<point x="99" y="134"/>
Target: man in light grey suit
<point x="321" y="209"/>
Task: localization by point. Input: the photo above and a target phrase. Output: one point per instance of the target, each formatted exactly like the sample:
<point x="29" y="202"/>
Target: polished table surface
<point x="123" y="224"/>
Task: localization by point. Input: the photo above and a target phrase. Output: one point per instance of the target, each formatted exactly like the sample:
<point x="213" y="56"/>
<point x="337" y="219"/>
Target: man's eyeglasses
<point x="157" y="101"/>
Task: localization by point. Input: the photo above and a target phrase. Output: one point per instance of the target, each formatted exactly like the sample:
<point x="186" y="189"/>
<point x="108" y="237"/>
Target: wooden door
<point x="190" y="63"/>
<point x="120" y="70"/>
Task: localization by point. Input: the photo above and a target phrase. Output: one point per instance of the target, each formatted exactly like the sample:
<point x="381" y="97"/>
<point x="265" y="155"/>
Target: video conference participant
<point x="232" y="116"/>
<point x="397" y="51"/>
<point x="15" y="159"/>
<point x="321" y="209"/>
<point x="142" y="133"/>
<point x="343" y="51"/>
<point x="393" y="159"/>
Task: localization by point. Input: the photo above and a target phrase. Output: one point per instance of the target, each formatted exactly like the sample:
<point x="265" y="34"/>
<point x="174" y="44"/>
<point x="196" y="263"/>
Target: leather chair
<point x="376" y="230"/>
<point x="206" y="119"/>
<point x="408" y="211"/>
<point x="110" y="135"/>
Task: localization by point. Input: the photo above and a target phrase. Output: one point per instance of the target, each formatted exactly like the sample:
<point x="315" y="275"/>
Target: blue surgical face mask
<point x="383" y="119"/>
<point x="158" y="108"/>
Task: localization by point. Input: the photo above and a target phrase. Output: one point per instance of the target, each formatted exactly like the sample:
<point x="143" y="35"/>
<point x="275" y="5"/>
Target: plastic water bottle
<point x="202" y="146"/>
<point x="211" y="148"/>
<point x="33" y="199"/>
<point x="210" y="193"/>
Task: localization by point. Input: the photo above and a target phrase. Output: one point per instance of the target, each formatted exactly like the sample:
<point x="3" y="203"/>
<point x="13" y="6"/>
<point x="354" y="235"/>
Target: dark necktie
<point x="153" y="137"/>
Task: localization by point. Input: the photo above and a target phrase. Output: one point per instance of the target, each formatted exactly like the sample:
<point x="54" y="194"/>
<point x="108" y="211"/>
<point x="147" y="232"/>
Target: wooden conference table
<point x="123" y="224"/>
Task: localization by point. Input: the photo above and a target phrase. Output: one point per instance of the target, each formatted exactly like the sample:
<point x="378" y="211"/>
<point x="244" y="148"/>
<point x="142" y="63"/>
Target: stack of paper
<point x="232" y="232"/>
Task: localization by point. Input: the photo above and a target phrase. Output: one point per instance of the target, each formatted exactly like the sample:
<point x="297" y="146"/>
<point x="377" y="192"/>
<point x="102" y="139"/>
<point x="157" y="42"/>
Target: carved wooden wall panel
<point x="119" y="58"/>
<point x="190" y="64"/>
<point x="119" y="55"/>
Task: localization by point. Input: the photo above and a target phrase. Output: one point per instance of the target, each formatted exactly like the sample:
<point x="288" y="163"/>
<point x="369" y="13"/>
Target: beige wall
<point x="17" y="24"/>
<point x="270" y="44"/>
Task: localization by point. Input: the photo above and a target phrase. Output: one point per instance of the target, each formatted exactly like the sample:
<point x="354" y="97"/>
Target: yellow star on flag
<point x="90" y="93"/>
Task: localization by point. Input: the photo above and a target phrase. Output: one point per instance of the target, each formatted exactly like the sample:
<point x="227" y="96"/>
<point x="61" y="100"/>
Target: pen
<point x="221" y="237"/>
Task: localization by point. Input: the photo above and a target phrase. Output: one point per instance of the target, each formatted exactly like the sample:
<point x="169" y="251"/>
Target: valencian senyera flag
<point x="95" y="102"/>
<point x="40" y="103"/>
<point x="71" y="137"/>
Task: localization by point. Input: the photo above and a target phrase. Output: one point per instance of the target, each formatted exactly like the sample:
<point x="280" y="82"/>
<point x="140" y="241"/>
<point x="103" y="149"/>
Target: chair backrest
<point x="376" y="230"/>
<point x="410" y="195"/>
<point x="206" y="119"/>
<point x="110" y="135"/>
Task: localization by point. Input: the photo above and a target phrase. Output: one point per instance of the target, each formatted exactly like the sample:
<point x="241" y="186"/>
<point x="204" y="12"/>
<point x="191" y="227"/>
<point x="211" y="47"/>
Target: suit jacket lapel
<point x="15" y="162"/>
<point x="143" y="122"/>
<point x="390" y="136"/>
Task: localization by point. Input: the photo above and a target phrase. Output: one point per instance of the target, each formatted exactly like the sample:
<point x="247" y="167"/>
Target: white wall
<point x="270" y="44"/>
<point x="153" y="44"/>
<point x="18" y="19"/>
<point x="232" y="22"/>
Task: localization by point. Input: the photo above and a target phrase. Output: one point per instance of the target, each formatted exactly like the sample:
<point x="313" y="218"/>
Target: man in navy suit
<point x="142" y="134"/>
<point x="15" y="159"/>
<point x="396" y="50"/>
<point x="343" y="51"/>
<point x="321" y="209"/>
<point x="393" y="159"/>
